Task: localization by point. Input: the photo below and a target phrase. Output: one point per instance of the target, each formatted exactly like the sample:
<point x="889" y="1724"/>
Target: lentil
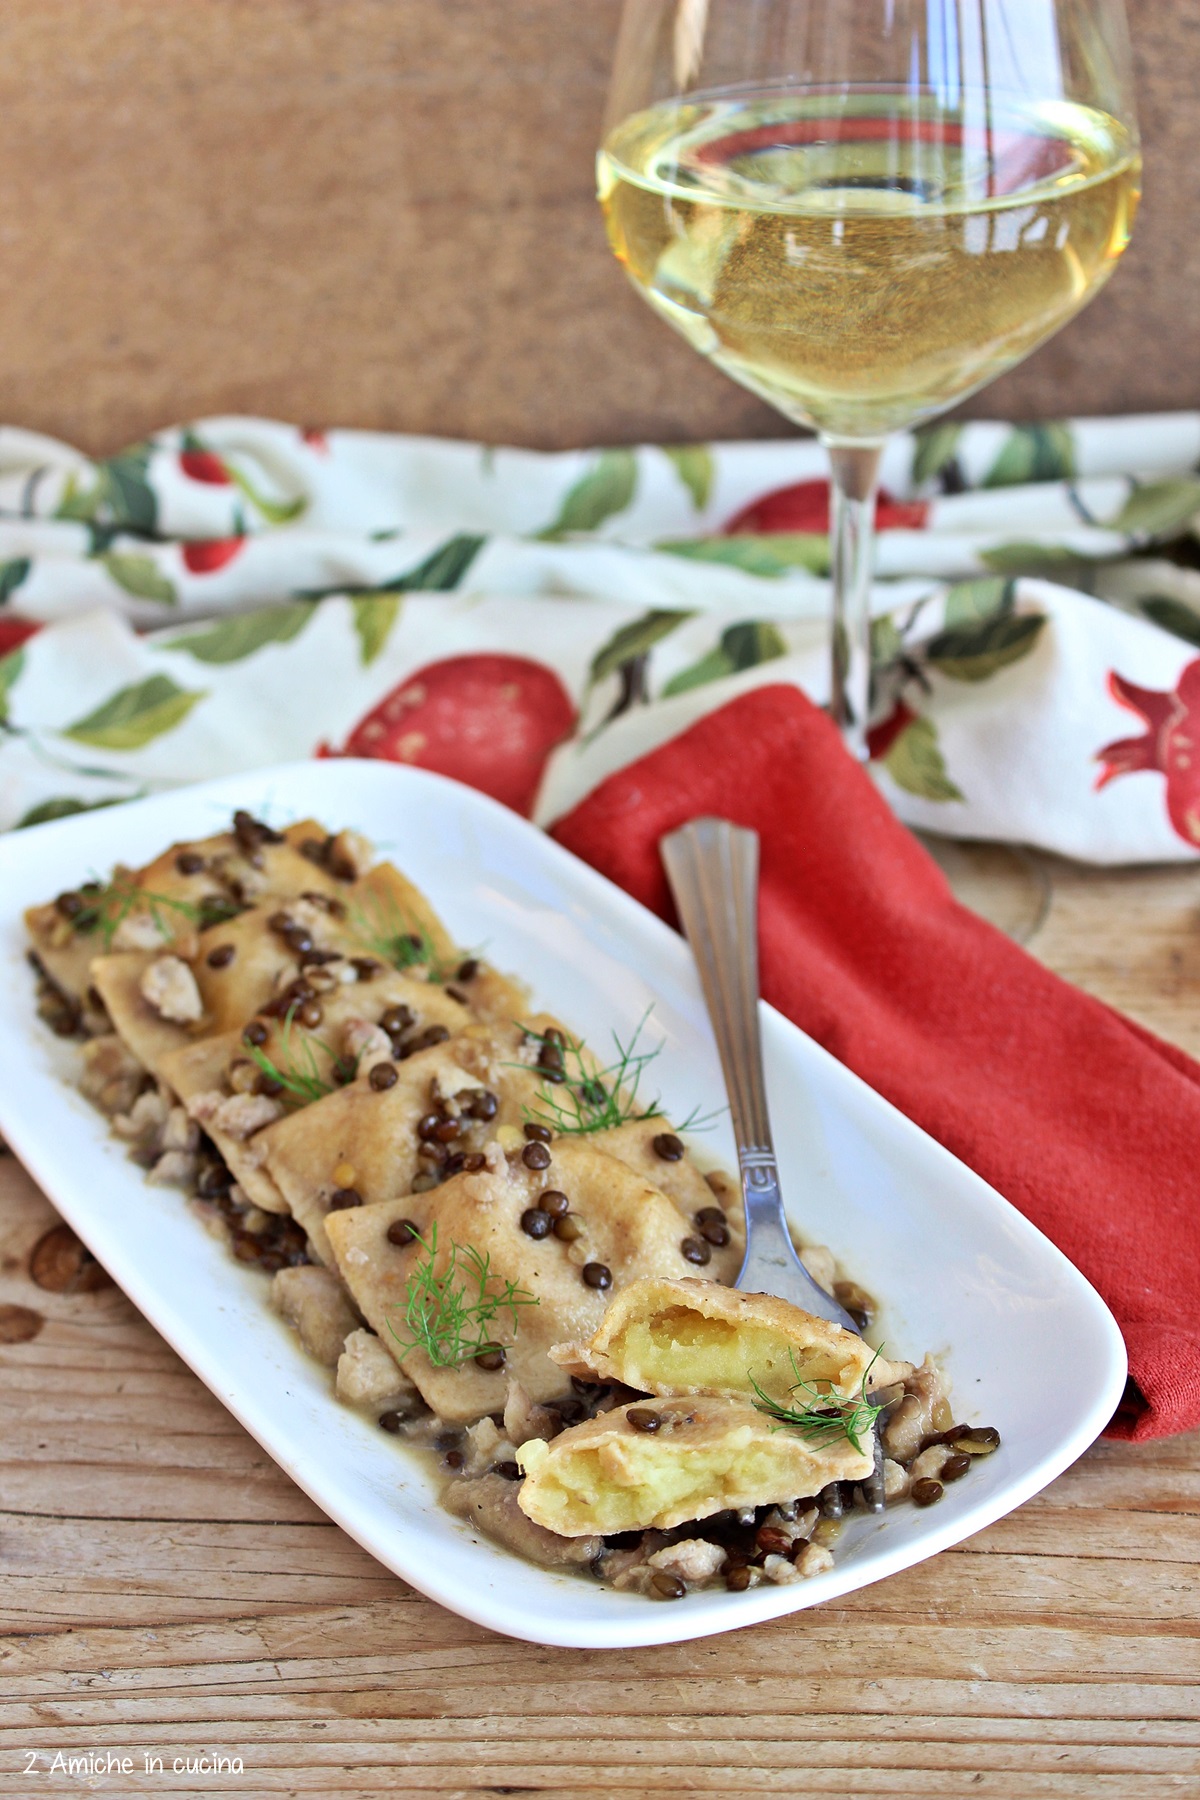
<point x="483" y="1106"/>
<point x="365" y="967"/>
<point x="926" y="1492"/>
<point x="69" y="905"/>
<point x="642" y="1419"/>
<point x="473" y="1162"/>
<point x="668" y="1146"/>
<point x="427" y="1125"/>
<point x="267" y="1084"/>
<point x="221" y="957"/>
<point x="447" y="1131"/>
<point x="667" y="1587"/>
<point x="382" y="1076"/>
<point x="978" y="1440"/>
<point x="535" y="1223"/>
<point x="492" y="1359"/>
<point x="454" y="1459"/>
<point x="711" y="1215"/>
<point x="954" y="1468"/>
<point x="568" y="1229"/>
<point x="695" y="1250"/>
<point x="401" y="1231"/>
<point x="423" y="1183"/>
<point x="391" y="1421"/>
<point x="737" y="1578"/>
<point x="537" y="1134"/>
<point x="595" y="1274"/>
<point x="535" y="1156"/>
<point x="712" y="1233"/>
<point x="554" y="1202"/>
<point x="310" y="1014"/>
<point x="467" y="971"/>
<point x="511" y="1471"/>
<point x="256" y="1032"/>
<point x="189" y="862"/>
<point x="773" y="1540"/>
<point x="398" y="1018"/>
<point x="344" y="1197"/>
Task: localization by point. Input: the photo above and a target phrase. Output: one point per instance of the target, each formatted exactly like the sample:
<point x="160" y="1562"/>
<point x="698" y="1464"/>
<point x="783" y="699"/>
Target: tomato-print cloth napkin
<point x="240" y="592"/>
<point x="1083" y="1120"/>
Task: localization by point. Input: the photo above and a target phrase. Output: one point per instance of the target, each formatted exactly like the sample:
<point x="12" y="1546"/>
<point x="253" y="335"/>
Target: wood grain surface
<point x="167" y="1591"/>
<point x="382" y="213"/>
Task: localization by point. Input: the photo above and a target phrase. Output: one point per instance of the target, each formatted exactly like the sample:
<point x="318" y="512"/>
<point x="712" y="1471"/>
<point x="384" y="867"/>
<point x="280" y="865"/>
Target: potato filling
<point x="681" y="1349"/>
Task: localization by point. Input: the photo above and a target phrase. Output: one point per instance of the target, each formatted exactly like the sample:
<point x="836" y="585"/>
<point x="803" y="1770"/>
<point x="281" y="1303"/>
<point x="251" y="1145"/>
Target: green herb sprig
<point x="396" y="937"/>
<point x="592" y="1099"/>
<point x="107" y="905"/>
<point x="447" y="1314"/>
<point x="825" y="1416"/>
<point x="298" y="1072"/>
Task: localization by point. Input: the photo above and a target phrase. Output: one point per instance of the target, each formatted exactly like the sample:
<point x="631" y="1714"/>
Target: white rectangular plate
<point x="1029" y="1345"/>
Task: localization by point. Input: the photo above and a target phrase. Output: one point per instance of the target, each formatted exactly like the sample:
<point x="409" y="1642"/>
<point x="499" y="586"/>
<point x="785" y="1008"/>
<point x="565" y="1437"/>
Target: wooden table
<point x="168" y="1591"/>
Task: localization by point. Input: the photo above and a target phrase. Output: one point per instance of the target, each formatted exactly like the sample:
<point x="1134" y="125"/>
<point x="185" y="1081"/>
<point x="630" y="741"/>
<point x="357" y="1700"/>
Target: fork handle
<point x="712" y="868"/>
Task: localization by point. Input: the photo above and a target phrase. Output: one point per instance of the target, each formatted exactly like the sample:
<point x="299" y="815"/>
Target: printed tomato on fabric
<point x="204" y="556"/>
<point x="14" y="632"/>
<point x="805" y="507"/>
<point x="488" y="720"/>
<point x="1170" y="745"/>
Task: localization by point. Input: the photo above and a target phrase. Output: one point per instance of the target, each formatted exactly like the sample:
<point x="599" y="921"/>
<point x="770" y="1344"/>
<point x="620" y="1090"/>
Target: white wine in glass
<point x="860" y="251"/>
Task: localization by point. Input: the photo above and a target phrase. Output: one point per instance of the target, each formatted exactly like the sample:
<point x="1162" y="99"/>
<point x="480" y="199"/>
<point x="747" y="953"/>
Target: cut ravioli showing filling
<point x="697" y="1337"/>
<point x="706" y="1455"/>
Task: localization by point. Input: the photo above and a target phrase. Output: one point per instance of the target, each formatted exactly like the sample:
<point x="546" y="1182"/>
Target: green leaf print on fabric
<point x="742" y="646"/>
<point x="440" y="571"/>
<point x="12" y="574"/>
<point x="275" y="512"/>
<point x="969" y="601"/>
<point x="140" y="576"/>
<point x="1173" y="616"/>
<point x="10" y="668"/>
<point x="135" y="715"/>
<point x="693" y="463"/>
<point x="637" y="638"/>
<point x="121" y="496"/>
<point x="608" y="487"/>
<point x="975" y="652"/>
<point x="1056" y="562"/>
<point x="125" y="493"/>
<point x="62" y="806"/>
<point x="1033" y="453"/>
<point x="231" y="640"/>
<point x="771" y="555"/>
<point x="936" y="447"/>
<point x="886" y="641"/>
<point x="373" y="619"/>
<point x="916" y="764"/>
<point x="1159" y="508"/>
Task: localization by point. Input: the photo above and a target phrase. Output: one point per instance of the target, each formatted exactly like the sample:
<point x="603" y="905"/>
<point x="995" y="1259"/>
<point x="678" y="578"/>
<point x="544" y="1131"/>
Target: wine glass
<point x="863" y="210"/>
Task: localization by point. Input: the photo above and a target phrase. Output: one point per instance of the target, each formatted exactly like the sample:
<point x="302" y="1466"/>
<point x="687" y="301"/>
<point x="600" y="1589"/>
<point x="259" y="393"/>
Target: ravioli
<point x="628" y="1229"/>
<point x="704" y="1456"/>
<point x="696" y="1337"/>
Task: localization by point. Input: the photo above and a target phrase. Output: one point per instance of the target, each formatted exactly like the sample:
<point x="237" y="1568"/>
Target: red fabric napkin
<point x="1084" y="1121"/>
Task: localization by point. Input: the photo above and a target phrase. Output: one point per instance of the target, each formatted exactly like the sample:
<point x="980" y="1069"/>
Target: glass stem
<point x="855" y="480"/>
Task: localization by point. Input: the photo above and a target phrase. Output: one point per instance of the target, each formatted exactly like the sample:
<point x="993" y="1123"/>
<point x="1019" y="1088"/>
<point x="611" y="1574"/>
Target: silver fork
<point x="712" y="868"/>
